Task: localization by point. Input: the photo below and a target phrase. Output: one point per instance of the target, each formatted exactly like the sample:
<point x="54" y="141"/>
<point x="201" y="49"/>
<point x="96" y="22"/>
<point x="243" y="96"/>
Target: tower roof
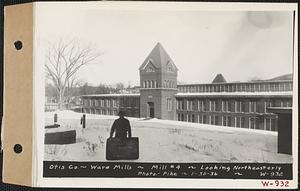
<point x="158" y="57"/>
<point x="219" y="79"/>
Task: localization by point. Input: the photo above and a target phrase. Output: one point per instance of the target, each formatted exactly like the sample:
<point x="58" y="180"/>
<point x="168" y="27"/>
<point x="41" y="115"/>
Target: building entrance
<point x="151" y="109"/>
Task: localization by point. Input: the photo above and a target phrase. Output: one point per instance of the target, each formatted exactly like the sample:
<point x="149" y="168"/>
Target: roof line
<point x="256" y="82"/>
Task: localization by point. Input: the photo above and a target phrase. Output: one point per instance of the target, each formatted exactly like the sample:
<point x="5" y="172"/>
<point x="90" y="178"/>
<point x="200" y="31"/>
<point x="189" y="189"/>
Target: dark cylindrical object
<point x="55" y="118"/>
<point x="83" y="121"/>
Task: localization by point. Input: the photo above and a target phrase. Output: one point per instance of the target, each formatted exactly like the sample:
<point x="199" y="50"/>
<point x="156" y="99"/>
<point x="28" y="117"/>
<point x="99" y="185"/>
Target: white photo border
<point x="39" y="100"/>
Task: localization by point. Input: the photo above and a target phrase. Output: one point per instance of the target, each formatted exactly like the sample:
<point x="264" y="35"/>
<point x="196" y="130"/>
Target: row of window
<point x="230" y="121"/>
<point x="154" y="84"/>
<point x="169" y="84"/>
<point x="111" y="102"/>
<point x="129" y="102"/>
<point x="101" y="103"/>
<point x="231" y="106"/>
<point x="239" y="87"/>
<point x="101" y="111"/>
<point x="150" y="84"/>
<point x="198" y="105"/>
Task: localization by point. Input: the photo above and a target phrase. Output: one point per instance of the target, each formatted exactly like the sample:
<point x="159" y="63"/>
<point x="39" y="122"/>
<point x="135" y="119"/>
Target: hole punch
<point x="18" y="45"/>
<point x="18" y="148"/>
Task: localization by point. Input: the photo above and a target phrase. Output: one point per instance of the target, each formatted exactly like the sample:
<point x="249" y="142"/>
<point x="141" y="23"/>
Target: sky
<point x="242" y="45"/>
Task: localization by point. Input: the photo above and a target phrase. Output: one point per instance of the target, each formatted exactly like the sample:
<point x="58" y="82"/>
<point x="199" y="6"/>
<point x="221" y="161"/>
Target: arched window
<point x="155" y="84"/>
<point x="144" y="84"/>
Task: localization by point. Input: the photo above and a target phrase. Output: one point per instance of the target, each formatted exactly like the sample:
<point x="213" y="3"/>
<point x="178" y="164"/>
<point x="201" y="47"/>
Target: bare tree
<point x="255" y="78"/>
<point x="120" y="86"/>
<point x="73" y="83"/>
<point x="64" y="60"/>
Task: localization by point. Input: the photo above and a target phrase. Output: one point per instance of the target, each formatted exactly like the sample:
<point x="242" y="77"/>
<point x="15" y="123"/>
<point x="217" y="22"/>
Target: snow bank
<point x="68" y="114"/>
<point x="207" y="127"/>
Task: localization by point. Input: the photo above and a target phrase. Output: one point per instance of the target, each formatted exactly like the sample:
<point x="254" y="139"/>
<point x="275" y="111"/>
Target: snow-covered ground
<point x="165" y="141"/>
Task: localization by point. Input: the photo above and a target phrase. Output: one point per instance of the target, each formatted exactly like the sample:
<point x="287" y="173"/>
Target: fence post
<point x="55" y="118"/>
<point x="82" y="121"/>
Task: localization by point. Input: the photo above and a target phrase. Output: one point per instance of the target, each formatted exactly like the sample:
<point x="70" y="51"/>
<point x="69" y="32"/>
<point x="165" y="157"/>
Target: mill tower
<point x="158" y="85"/>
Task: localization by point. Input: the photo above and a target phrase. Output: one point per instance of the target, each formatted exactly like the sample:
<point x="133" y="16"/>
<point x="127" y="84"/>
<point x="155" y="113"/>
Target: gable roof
<point x="149" y="63"/>
<point x="219" y="79"/>
<point x="158" y="57"/>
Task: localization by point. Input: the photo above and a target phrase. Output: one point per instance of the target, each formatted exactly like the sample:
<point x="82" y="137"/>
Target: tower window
<point x="166" y="84"/>
<point x="169" y="104"/>
<point x="149" y="69"/>
<point x="146" y="84"/>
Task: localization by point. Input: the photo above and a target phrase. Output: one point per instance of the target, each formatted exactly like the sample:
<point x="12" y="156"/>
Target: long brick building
<point x="238" y="104"/>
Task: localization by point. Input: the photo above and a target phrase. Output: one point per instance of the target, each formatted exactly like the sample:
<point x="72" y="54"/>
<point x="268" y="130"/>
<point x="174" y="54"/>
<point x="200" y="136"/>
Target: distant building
<point x="219" y="79"/>
<point x="239" y="104"/>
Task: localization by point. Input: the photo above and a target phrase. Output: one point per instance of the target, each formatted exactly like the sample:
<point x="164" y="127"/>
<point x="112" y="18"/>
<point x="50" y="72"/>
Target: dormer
<point x="149" y="67"/>
<point x="171" y="67"/>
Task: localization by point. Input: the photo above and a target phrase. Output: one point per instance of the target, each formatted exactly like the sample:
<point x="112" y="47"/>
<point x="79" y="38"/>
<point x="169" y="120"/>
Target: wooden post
<point x="82" y="121"/>
<point x="55" y="118"/>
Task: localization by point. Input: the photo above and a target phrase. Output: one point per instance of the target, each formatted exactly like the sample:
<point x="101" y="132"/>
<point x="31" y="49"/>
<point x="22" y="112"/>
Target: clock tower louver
<point x="158" y="85"/>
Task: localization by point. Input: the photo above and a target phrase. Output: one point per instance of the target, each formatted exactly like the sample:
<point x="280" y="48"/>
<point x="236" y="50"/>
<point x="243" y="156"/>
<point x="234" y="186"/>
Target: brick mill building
<point x="234" y="104"/>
